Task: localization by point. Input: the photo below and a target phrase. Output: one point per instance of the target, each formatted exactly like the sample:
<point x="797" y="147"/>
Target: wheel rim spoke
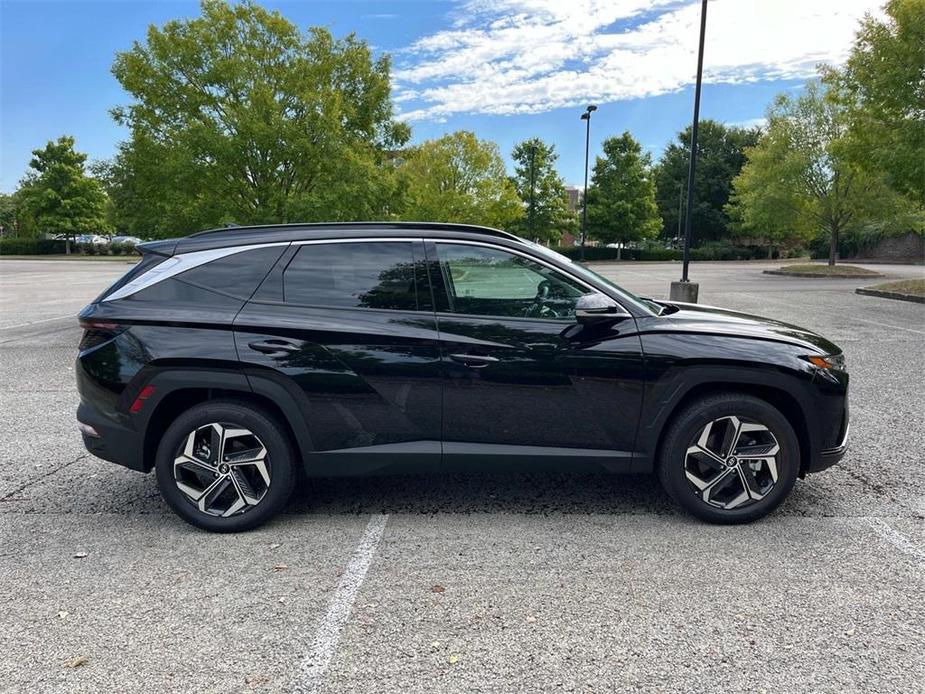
<point x="222" y="470"/>
<point x="732" y="462"/>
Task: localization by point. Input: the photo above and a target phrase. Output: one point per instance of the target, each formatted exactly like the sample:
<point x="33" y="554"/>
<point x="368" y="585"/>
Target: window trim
<point x="513" y="251"/>
<point x="391" y="239"/>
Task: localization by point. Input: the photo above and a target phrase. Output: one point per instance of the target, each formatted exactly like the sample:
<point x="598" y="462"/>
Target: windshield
<point x="586" y="273"/>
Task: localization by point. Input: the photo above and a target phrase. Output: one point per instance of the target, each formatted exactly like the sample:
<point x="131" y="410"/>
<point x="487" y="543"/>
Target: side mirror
<point x="594" y="308"/>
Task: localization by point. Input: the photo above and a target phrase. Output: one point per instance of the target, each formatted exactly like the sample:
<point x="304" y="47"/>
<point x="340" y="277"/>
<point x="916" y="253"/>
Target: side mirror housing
<point x="596" y="308"/>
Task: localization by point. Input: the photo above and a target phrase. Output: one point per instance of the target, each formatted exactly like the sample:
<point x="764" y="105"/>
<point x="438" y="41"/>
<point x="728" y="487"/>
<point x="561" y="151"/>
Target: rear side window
<point x="147" y="262"/>
<point x="367" y="274"/>
<point x="235" y="275"/>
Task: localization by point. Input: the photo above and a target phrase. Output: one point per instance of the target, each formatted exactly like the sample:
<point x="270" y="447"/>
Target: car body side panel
<point x="363" y="378"/>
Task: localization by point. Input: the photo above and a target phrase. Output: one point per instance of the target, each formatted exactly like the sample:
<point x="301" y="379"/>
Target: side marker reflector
<point x="145" y="393"/>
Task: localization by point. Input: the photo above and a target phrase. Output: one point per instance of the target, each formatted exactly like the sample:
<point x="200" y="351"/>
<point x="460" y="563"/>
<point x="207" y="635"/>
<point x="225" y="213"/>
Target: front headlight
<point x="833" y="362"/>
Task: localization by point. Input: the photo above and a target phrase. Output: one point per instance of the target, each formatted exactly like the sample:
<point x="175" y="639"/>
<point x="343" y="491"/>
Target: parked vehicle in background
<point x="231" y="360"/>
<point x="95" y="239"/>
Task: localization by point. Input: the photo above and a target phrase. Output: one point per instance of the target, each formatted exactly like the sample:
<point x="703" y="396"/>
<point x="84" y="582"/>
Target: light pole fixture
<point x="586" y="116"/>
<point x="685" y="290"/>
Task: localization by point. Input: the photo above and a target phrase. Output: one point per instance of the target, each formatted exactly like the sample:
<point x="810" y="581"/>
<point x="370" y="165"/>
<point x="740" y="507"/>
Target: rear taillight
<point x="97" y="332"/>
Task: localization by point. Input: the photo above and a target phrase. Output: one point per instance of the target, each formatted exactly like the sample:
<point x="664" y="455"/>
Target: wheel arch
<point x="178" y="392"/>
<point x="785" y="402"/>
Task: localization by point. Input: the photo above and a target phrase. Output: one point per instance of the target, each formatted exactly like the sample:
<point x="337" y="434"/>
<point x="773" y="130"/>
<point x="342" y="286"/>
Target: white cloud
<point x="528" y="56"/>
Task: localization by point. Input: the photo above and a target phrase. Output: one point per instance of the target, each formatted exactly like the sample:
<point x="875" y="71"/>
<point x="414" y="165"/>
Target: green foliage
<point x="542" y="190"/>
<point x="621" y="197"/>
<point x="458" y="178"/>
<point x="882" y="87"/>
<point x="720" y="157"/>
<point x="58" y="194"/>
<point x="241" y="117"/>
<point x="802" y="173"/>
<point x="20" y="246"/>
<point x="716" y="250"/>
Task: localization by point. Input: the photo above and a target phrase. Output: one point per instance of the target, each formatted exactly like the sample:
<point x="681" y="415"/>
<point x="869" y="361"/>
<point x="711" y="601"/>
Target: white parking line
<point x="887" y="325"/>
<point x="315" y="664"/>
<point x="895" y="538"/>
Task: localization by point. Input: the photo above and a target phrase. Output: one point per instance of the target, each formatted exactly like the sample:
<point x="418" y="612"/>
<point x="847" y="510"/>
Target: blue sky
<point x="505" y="69"/>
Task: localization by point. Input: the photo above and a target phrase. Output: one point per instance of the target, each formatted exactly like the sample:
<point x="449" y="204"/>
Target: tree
<point x="241" y="117"/>
<point x="621" y="197"/>
<point x="458" y="178"/>
<point x="720" y="157"/>
<point x="542" y="191"/>
<point x="58" y="194"/>
<point x="882" y="86"/>
<point x="801" y="165"/>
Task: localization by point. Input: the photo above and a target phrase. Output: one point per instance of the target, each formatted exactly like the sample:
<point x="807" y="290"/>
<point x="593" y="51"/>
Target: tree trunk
<point x="67" y="244"/>
<point x="833" y="247"/>
<point x="770" y="250"/>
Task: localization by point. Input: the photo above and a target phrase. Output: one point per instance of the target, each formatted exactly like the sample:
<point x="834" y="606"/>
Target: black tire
<point x="280" y="464"/>
<point x="685" y="428"/>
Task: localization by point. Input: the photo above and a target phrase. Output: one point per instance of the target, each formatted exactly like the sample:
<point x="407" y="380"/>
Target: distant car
<point x="131" y="240"/>
<point x="230" y="359"/>
<point x="95" y="239"/>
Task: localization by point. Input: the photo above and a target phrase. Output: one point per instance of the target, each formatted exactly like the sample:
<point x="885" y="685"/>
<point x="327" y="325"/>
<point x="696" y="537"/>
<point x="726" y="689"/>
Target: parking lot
<point x="489" y="583"/>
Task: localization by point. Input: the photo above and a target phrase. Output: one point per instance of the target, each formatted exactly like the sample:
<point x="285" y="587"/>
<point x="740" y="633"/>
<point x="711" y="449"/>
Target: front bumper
<point x="829" y="456"/>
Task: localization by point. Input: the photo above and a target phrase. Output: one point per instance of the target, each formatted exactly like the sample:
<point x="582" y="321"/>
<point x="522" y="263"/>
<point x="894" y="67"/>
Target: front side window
<point x="485" y="281"/>
<point x="368" y="274"/>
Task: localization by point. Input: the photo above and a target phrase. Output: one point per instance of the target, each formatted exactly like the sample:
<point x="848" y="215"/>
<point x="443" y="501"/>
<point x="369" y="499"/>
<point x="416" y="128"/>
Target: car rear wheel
<point x="225" y="466"/>
<point x="729" y="458"/>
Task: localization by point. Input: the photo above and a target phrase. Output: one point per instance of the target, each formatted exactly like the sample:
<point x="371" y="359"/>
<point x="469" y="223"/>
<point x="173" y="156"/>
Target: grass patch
<point x="911" y="287"/>
<point x="818" y="270"/>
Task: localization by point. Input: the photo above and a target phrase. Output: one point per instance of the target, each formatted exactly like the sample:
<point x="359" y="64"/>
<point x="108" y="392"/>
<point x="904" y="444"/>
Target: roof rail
<point x="441" y="226"/>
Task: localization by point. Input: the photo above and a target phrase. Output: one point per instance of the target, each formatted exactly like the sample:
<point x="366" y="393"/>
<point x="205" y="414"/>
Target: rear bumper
<point x="114" y="442"/>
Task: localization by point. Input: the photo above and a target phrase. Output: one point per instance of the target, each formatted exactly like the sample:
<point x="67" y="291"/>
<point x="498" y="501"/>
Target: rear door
<point x="523" y="381"/>
<point x="347" y="328"/>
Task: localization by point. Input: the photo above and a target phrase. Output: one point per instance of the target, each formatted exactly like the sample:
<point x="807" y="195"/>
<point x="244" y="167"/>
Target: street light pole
<point x="685" y="290"/>
<point x="531" y="218"/>
<point x="586" y="116"/>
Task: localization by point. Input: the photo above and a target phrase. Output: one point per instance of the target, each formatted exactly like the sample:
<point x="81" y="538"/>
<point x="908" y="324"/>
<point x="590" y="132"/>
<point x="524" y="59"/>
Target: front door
<point x="522" y="380"/>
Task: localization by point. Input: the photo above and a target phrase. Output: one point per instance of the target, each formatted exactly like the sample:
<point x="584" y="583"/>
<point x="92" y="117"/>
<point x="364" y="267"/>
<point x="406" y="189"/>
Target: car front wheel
<point x="729" y="458"/>
<point x="225" y="466"/>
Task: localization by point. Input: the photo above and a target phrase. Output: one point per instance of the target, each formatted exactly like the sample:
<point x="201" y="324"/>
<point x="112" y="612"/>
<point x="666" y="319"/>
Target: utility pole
<point x="685" y="290"/>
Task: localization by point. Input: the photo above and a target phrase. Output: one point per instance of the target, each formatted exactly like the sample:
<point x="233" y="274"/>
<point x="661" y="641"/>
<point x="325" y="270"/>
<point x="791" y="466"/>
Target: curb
<point x="896" y="296"/>
<point x="835" y="276"/>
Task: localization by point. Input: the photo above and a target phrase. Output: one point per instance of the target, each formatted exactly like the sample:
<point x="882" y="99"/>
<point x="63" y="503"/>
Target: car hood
<point x="713" y="320"/>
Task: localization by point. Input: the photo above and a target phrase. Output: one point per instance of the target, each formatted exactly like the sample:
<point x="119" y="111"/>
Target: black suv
<point x="232" y="361"/>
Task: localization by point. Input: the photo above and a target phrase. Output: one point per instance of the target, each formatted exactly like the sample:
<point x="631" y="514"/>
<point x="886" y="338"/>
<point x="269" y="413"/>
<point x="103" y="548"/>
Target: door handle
<point x="475" y="361"/>
<point x="274" y="348"/>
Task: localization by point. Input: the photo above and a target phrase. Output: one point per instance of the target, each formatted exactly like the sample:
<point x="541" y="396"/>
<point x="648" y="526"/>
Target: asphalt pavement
<point x="467" y="583"/>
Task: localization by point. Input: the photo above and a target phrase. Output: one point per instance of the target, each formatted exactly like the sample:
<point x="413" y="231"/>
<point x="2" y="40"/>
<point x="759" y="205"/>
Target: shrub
<point x="31" y="246"/>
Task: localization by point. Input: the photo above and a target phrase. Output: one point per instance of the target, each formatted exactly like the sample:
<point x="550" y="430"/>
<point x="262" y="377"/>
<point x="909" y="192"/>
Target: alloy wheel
<point x="732" y="462"/>
<point x="222" y="469"/>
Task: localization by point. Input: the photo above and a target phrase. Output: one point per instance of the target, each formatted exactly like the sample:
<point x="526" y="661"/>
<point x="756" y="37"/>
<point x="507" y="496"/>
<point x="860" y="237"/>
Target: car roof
<point x="281" y="233"/>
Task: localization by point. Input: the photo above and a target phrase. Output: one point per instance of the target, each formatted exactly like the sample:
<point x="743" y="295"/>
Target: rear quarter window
<point x="236" y="275"/>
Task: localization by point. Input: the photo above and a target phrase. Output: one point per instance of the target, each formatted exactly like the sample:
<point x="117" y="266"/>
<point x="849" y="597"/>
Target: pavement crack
<point x="10" y="495"/>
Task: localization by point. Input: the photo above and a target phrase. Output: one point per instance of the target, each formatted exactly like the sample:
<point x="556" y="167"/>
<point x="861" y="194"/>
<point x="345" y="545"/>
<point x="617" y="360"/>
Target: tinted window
<point x="237" y="275"/>
<point x="369" y="274"/>
<point x="147" y="262"/>
<point x="490" y="282"/>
